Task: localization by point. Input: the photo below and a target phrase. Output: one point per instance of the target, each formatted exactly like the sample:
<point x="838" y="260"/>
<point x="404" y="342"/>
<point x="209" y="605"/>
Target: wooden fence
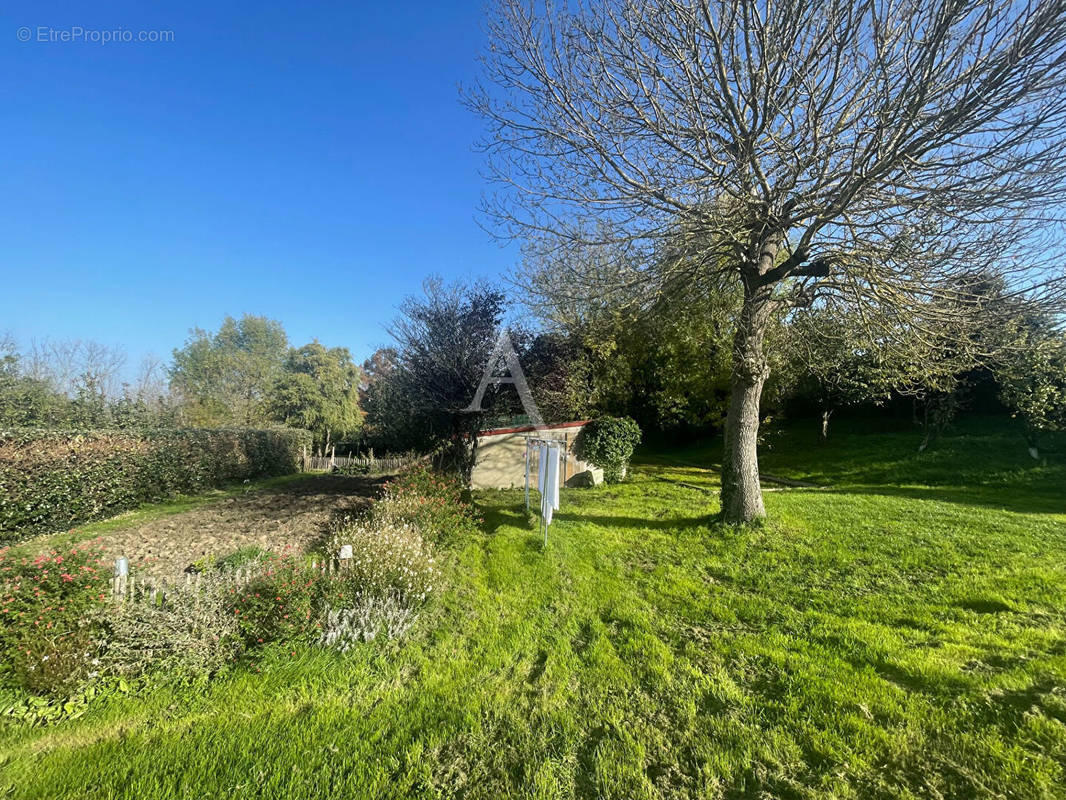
<point x="151" y="589"/>
<point x="368" y="464"/>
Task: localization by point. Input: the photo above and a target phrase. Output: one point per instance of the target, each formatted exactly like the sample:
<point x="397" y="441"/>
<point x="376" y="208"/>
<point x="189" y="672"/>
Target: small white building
<point x="500" y="461"/>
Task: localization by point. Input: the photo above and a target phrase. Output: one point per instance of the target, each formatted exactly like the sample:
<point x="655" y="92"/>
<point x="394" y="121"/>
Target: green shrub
<point x="356" y="469"/>
<point x="193" y="630"/>
<point x="430" y="502"/>
<point x="608" y="443"/>
<point x="47" y="617"/>
<point x="51" y="480"/>
<point x="277" y="605"/>
<point x="392" y="571"/>
<point x="393" y="554"/>
<point x="55" y="665"/>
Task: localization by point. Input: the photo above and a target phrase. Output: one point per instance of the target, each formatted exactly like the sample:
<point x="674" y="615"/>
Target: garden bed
<point x="292" y="517"/>
<point x="322" y="576"/>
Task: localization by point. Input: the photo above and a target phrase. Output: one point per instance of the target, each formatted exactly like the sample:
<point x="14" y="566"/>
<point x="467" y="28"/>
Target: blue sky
<point x="309" y="163"/>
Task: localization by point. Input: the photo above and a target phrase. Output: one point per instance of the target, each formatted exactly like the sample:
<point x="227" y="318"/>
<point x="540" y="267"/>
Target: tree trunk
<point x="826" y="414"/>
<point x="741" y="492"/>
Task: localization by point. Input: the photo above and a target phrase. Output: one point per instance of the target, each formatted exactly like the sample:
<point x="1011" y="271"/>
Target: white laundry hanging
<point x="549" y="482"/>
<point x="549" y="455"/>
<point x="557" y="465"/>
<point x="542" y="462"/>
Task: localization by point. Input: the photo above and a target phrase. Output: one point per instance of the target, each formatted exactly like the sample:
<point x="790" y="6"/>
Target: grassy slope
<point x="901" y="634"/>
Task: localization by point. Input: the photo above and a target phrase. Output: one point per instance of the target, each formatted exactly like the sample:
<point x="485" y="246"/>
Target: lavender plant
<point x="365" y="618"/>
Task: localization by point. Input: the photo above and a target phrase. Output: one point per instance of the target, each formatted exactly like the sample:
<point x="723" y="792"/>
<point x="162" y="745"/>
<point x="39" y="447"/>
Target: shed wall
<point x="500" y="462"/>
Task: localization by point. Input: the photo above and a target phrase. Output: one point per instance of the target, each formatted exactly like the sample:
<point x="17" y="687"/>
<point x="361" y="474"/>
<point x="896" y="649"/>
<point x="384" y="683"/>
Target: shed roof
<point x="529" y="428"/>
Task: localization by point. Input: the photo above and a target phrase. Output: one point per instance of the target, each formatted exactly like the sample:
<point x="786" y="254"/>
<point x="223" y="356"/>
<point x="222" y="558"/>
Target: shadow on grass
<point x="516" y="516"/>
<point x="984" y="605"/>
<point x="1017" y="499"/>
<point x="706" y="521"/>
<point x="586" y="778"/>
<point x="496" y="517"/>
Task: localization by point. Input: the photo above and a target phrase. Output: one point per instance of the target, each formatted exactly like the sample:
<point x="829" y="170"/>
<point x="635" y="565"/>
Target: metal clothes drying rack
<point x="564" y="445"/>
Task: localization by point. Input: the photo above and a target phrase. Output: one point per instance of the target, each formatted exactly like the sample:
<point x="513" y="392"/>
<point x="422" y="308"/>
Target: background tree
<point x="870" y="152"/>
<point x="25" y="401"/>
<point x="678" y="349"/>
<point x="827" y="366"/>
<point x="319" y="391"/>
<point x="659" y="356"/>
<point x="559" y="371"/>
<point x="389" y="423"/>
<point x="443" y="343"/>
<point x="65" y="383"/>
<point x="147" y="401"/>
<point x="149" y="384"/>
<point x="73" y="366"/>
<point x="1033" y="385"/>
<point x="836" y="364"/>
<point x="226" y="378"/>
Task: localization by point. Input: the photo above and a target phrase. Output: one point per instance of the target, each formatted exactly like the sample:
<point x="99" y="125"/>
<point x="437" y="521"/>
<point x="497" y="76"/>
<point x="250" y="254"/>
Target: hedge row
<point x="53" y="480"/>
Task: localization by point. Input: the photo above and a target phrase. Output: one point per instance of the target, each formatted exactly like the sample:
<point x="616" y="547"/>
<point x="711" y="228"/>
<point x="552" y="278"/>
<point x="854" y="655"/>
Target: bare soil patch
<point x="293" y="517"/>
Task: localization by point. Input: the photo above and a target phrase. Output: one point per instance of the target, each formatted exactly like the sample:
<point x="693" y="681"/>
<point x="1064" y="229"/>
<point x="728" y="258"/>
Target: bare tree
<point x="73" y="365"/>
<point x="873" y="153"/>
<point x="149" y="384"/>
<point x="8" y="351"/>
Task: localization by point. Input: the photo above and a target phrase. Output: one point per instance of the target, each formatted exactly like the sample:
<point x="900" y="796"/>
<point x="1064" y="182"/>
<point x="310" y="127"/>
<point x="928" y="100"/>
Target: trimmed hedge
<point x="52" y="480"/>
<point x="608" y="442"/>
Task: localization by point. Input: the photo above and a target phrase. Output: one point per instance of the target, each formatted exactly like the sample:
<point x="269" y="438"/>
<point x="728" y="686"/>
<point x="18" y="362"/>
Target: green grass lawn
<point x="901" y="633"/>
